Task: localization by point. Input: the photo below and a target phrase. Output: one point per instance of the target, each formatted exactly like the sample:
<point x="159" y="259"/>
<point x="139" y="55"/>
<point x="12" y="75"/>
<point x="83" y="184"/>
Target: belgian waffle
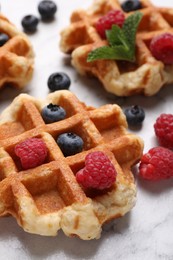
<point x="146" y="76"/>
<point x="48" y="198"/>
<point x="16" y="56"/>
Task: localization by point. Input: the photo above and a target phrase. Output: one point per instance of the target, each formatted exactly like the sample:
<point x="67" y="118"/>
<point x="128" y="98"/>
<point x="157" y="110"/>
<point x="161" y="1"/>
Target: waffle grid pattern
<point x="48" y="197"/>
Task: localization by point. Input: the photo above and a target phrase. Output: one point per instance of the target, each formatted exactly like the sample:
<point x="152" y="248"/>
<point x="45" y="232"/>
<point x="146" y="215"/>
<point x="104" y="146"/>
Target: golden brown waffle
<point x="16" y="56"/>
<point x="48" y="197"/>
<point x="121" y="78"/>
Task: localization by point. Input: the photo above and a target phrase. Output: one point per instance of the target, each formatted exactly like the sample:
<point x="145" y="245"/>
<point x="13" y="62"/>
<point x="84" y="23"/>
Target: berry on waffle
<point x="48" y="197"/>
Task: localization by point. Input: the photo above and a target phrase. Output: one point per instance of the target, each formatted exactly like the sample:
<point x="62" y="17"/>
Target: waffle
<point x="146" y="76"/>
<point x="48" y="198"/>
<point x="16" y="56"/>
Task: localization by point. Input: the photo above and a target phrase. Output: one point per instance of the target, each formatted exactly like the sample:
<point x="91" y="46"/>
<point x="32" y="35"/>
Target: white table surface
<point x="147" y="231"/>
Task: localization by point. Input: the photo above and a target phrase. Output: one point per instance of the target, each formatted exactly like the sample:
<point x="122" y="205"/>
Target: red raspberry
<point x="164" y="130"/>
<point x="161" y="48"/>
<point x="157" y="164"/>
<point x="32" y="152"/>
<point x="98" y="173"/>
<point x="105" y="22"/>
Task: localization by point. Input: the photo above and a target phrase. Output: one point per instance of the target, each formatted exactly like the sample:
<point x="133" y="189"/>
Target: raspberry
<point x="161" y="48"/>
<point x="164" y="130"/>
<point x="32" y="152"/>
<point x="98" y="173"/>
<point x="157" y="164"/>
<point x="105" y="22"/>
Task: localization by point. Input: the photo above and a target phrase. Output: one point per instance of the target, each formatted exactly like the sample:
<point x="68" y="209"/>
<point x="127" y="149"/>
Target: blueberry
<point x="134" y="115"/>
<point x="53" y="113"/>
<point x="70" y="143"/>
<point x="3" y="38"/>
<point x="131" y="5"/>
<point x="29" y="23"/>
<point x="58" y="81"/>
<point x="47" y="9"/>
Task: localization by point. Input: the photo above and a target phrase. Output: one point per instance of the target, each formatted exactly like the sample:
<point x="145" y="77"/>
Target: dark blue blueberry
<point x="134" y="115"/>
<point x="53" y="113"/>
<point x="3" y="38"/>
<point x="58" y="81"/>
<point x="47" y="9"/>
<point x="29" y="23"/>
<point x="70" y="143"/>
<point x="131" y="5"/>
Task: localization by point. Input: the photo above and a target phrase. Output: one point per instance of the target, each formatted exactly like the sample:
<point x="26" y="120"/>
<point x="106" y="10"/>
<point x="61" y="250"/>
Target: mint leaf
<point x="121" y="41"/>
<point x="116" y="36"/>
<point x="129" y="29"/>
<point x="110" y="53"/>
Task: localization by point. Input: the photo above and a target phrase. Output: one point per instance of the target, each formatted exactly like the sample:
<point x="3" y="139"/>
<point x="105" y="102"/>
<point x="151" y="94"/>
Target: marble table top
<point x="147" y="231"/>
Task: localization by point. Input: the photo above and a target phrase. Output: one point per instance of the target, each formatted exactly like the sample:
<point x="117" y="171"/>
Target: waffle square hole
<point x="43" y="188"/>
<point x="150" y="22"/>
<point x="147" y="43"/>
<point x="49" y="187"/>
<point x="68" y="105"/>
<point x="126" y="66"/>
<point x="29" y="116"/>
<point x="81" y="34"/>
<point x="11" y="151"/>
<point x="11" y="129"/>
<point x="168" y="16"/>
<point x="109" y="126"/>
<point x="79" y="130"/>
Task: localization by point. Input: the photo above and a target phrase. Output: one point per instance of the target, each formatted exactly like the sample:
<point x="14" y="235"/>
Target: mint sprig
<point x="121" y="41"/>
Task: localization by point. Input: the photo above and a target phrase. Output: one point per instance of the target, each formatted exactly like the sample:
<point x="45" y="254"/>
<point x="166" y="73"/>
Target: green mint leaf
<point x="116" y="36"/>
<point x="121" y="41"/>
<point x="110" y="53"/>
<point x="130" y="27"/>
